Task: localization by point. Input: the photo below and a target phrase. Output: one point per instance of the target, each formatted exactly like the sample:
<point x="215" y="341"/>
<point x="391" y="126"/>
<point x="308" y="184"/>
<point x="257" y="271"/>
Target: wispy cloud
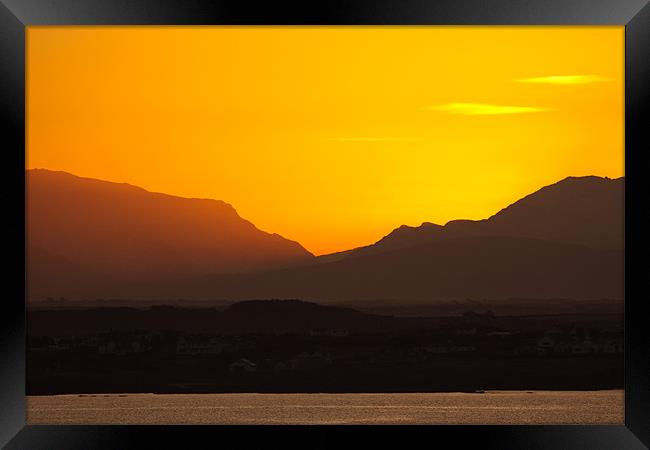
<point x="375" y="139"/>
<point x="564" y="79"/>
<point x="483" y="109"/>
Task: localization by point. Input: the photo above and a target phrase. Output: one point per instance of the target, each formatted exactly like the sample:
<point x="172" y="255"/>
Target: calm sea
<point x="492" y="407"/>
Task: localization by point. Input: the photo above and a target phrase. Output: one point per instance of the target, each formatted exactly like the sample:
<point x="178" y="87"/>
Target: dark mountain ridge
<point x="563" y="241"/>
<point x="476" y="267"/>
<point x="98" y="234"/>
<point x="576" y="210"/>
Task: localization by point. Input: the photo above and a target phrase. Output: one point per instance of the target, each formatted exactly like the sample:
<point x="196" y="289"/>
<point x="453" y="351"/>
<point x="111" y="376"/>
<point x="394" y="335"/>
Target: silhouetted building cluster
<point x="443" y="353"/>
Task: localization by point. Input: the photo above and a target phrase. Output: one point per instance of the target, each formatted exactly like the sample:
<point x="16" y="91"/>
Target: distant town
<point x="469" y="352"/>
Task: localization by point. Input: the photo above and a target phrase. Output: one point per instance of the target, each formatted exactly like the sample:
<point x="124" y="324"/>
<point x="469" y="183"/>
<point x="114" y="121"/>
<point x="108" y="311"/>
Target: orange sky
<point x="331" y="136"/>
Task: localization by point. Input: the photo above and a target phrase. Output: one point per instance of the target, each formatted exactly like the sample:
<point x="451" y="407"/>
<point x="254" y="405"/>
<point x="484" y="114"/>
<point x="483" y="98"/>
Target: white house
<point x="614" y="346"/>
<point x="545" y="345"/>
<point x="242" y="365"/>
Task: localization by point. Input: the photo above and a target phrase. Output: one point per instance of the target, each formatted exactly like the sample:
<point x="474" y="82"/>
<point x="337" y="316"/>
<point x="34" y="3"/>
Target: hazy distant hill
<point x="577" y="210"/>
<point x="52" y="275"/>
<point x="474" y="267"/>
<point x="86" y="235"/>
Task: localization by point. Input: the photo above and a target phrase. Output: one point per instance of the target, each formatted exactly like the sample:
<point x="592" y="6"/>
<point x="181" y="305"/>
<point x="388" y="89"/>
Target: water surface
<point x="492" y="407"/>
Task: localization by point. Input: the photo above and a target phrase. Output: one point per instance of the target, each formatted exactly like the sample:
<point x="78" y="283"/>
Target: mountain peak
<point x="59" y="176"/>
<point x="588" y="178"/>
<point x="584" y="210"/>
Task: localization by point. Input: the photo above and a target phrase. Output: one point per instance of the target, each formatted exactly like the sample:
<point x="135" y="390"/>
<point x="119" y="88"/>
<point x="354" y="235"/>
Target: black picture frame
<point x="16" y="15"/>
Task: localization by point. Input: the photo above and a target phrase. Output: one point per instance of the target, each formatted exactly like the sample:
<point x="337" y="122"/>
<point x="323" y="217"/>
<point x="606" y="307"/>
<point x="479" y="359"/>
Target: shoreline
<point x="487" y="391"/>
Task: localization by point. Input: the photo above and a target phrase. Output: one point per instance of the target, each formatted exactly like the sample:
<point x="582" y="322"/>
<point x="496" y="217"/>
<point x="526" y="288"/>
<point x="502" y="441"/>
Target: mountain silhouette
<point x="85" y="235"/>
<point x="490" y="267"/>
<point x="577" y="210"/>
<point x="93" y="239"/>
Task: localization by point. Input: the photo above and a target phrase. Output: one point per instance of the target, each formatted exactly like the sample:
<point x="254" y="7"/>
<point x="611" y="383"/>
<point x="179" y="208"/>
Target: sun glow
<point x="331" y="136"/>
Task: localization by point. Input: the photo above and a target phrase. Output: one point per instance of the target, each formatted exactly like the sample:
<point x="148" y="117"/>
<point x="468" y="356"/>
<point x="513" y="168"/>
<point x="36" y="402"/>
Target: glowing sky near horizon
<point x="331" y="136"/>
